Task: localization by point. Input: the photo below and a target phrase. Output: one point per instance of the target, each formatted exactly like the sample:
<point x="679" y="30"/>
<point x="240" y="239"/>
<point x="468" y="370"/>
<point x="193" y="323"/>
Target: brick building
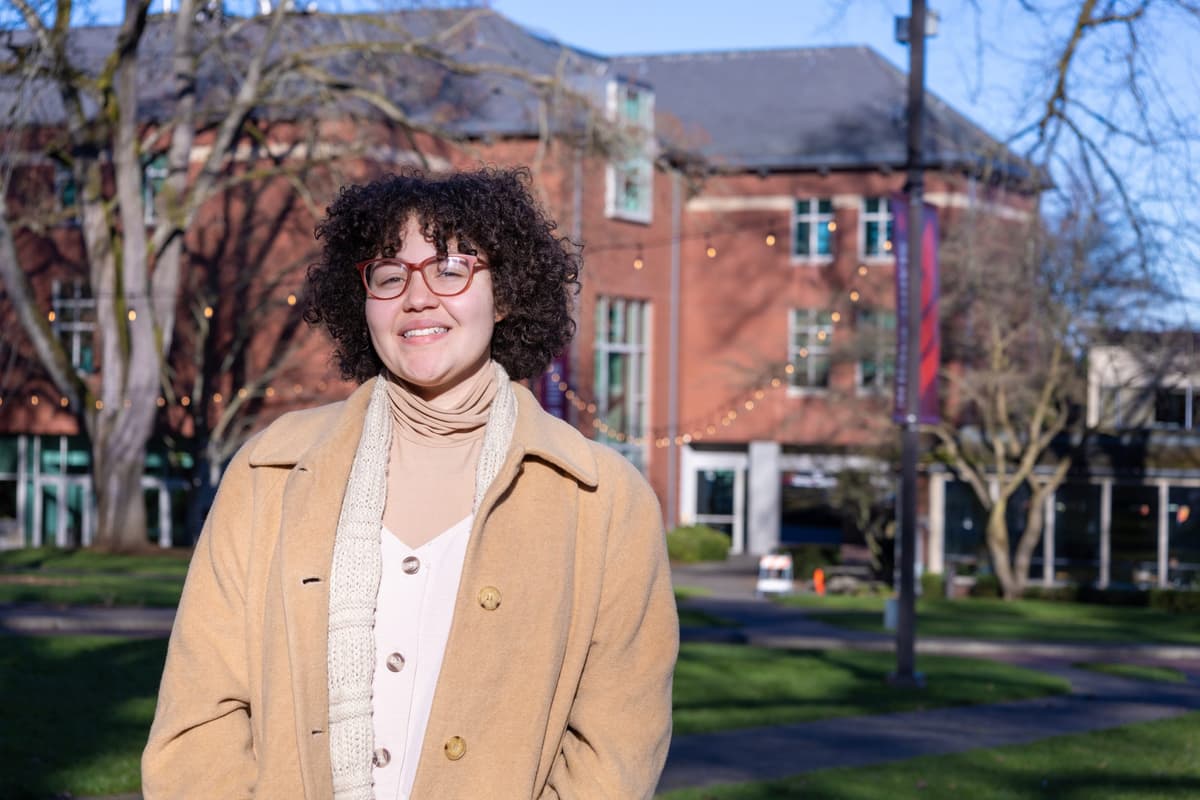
<point x="736" y="319"/>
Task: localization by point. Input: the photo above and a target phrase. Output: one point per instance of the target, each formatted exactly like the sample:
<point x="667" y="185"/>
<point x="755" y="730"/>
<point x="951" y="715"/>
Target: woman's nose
<point x="419" y="294"/>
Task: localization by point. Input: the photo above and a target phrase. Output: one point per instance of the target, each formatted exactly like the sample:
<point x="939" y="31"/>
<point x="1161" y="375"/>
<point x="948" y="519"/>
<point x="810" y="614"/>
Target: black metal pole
<point x="906" y="616"/>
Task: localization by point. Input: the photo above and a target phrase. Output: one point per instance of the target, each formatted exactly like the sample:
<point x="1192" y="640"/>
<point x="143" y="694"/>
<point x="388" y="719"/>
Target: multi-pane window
<point x="813" y="229"/>
<point x="1171" y="407"/>
<point x="876" y="332"/>
<point x="629" y="179"/>
<point x="65" y="192"/>
<point x="154" y="175"/>
<point x="621" y="374"/>
<point x="875" y="228"/>
<point x="809" y="342"/>
<point x="74" y="321"/>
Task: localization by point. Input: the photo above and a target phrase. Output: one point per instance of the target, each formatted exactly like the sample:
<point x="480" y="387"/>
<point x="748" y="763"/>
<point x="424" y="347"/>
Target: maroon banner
<point x="931" y="350"/>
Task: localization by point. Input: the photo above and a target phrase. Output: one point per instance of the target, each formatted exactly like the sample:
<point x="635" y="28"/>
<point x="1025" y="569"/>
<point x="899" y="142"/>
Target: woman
<point x="432" y="589"/>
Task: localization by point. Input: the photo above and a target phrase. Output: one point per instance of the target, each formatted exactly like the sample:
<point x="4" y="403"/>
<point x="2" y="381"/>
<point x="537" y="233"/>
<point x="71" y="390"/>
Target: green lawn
<point x="720" y="686"/>
<point x="89" y="578"/>
<point x="1148" y="761"/>
<point x="1029" y="620"/>
<point x="76" y="711"/>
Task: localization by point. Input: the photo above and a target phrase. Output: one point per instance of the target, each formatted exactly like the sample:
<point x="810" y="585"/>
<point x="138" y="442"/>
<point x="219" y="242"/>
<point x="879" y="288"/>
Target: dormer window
<point x="629" y="179"/>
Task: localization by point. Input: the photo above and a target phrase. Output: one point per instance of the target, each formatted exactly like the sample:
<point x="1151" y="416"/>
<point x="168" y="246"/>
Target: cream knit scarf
<point x="354" y="580"/>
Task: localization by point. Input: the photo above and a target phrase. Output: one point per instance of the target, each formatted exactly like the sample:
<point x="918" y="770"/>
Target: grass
<point x="1146" y="761"/>
<point x="90" y="578"/>
<point x="722" y="686"/>
<point x="1026" y="620"/>
<point x="77" y="709"/>
<point x="76" y="713"/>
<point x="1137" y="672"/>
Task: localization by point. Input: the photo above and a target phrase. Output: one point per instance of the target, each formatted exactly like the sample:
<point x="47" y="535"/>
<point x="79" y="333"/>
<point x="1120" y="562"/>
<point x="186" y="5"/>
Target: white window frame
<point x="814" y="217"/>
<point x="636" y="167"/>
<point x="810" y="322"/>
<point x="882" y="217"/>
<point x="635" y="316"/>
<point x="70" y="324"/>
<point x="154" y="175"/>
<point x="883" y="351"/>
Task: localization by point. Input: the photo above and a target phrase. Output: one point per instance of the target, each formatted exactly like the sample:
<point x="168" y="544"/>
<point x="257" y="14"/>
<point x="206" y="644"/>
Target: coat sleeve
<point x="200" y="741"/>
<point x="620" y="722"/>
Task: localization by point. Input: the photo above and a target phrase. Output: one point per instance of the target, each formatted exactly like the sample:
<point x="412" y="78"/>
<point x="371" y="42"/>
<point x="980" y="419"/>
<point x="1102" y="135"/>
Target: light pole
<point x="905" y="673"/>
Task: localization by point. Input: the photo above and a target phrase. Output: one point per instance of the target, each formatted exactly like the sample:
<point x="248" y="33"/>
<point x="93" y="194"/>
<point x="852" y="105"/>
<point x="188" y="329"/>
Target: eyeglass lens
<point x="448" y="275"/>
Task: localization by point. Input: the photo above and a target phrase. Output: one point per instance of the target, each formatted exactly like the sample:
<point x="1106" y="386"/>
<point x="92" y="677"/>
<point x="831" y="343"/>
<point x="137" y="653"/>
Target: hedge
<point x="691" y="543"/>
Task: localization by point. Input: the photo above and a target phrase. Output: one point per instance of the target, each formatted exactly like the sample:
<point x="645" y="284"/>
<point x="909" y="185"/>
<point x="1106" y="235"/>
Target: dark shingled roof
<point x="793" y="109"/>
<point x="806" y="108"/>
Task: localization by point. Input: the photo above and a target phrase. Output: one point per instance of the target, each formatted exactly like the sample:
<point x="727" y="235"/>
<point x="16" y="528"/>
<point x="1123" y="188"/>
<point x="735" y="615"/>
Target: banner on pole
<point x="927" y="382"/>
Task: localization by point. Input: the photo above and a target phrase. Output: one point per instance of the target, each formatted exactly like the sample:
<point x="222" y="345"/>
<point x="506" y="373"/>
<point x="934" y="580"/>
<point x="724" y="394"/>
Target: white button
<point x="395" y="662"/>
<point x="410" y="565"/>
<point x="381" y="757"/>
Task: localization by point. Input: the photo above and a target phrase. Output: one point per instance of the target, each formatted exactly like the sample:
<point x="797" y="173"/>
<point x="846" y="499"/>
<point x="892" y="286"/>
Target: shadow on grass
<point x="721" y="686"/>
<point x="76" y="713"/>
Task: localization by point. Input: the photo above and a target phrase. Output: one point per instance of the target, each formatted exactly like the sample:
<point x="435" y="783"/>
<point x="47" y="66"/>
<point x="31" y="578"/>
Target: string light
<point x="99" y="405"/>
<point x="836" y="316"/>
<point x="270" y="391"/>
<point x="862" y="269"/>
<point x="64" y="402"/>
<point x="709" y="250"/>
<point x="770" y="240"/>
<point x="208" y="312"/>
<point x="33" y="400"/>
<point x="185" y="401"/>
<point x="160" y="402"/>
<point x="291" y="299"/>
<point x="217" y="397"/>
<point x="51" y="316"/>
<point x="132" y="315"/>
<point x="639" y="260"/>
<point x="854" y="295"/>
<point x="832" y="226"/>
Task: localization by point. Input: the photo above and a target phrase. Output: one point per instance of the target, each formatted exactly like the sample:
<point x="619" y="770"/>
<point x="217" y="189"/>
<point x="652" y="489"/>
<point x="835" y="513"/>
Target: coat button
<point x="395" y="662"/>
<point x="456" y="748"/>
<point x="410" y="565"/>
<point x="489" y="598"/>
<point x="381" y="757"/>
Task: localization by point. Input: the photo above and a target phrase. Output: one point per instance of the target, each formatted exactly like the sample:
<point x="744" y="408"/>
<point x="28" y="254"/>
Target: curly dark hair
<point x="488" y="212"/>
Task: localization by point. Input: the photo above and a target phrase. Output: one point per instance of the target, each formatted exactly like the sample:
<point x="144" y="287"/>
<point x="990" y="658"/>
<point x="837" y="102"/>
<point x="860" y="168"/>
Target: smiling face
<point x="432" y="343"/>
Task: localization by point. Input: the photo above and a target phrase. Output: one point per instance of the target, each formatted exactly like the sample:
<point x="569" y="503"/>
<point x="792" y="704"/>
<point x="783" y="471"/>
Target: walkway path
<point x="1097" y="701"/>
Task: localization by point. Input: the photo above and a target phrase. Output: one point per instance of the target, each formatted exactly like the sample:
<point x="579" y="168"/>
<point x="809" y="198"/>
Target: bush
<point x="692" y="543"/>
<point x="1175" y="600"/>
<point x="933" y="584"/>
<point x="986" y="586"/>
<point x="807" y="557"/>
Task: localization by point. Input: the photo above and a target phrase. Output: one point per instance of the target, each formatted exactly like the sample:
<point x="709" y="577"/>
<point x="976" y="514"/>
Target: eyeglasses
<point x="387" y="278"/>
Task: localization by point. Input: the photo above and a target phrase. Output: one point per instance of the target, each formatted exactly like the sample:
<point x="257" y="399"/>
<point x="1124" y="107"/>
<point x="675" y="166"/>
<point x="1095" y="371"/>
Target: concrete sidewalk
<point x="1096" y="702"/>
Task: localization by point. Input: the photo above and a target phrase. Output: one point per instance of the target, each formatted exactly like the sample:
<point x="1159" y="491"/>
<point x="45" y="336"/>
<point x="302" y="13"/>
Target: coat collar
<point x="303" y="436"/>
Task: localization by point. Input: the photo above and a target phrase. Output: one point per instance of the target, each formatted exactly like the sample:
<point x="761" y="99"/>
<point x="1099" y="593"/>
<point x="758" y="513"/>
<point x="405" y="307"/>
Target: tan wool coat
<point x="562" y="690"/>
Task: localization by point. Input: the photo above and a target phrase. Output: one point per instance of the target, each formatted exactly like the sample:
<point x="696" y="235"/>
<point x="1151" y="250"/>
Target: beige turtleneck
<point x="431" y="467"/>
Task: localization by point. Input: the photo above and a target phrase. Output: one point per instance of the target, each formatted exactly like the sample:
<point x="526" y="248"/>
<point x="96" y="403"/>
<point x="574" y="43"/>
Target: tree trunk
<point x="997" y="546"/>
<point x="121" y="517"/>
